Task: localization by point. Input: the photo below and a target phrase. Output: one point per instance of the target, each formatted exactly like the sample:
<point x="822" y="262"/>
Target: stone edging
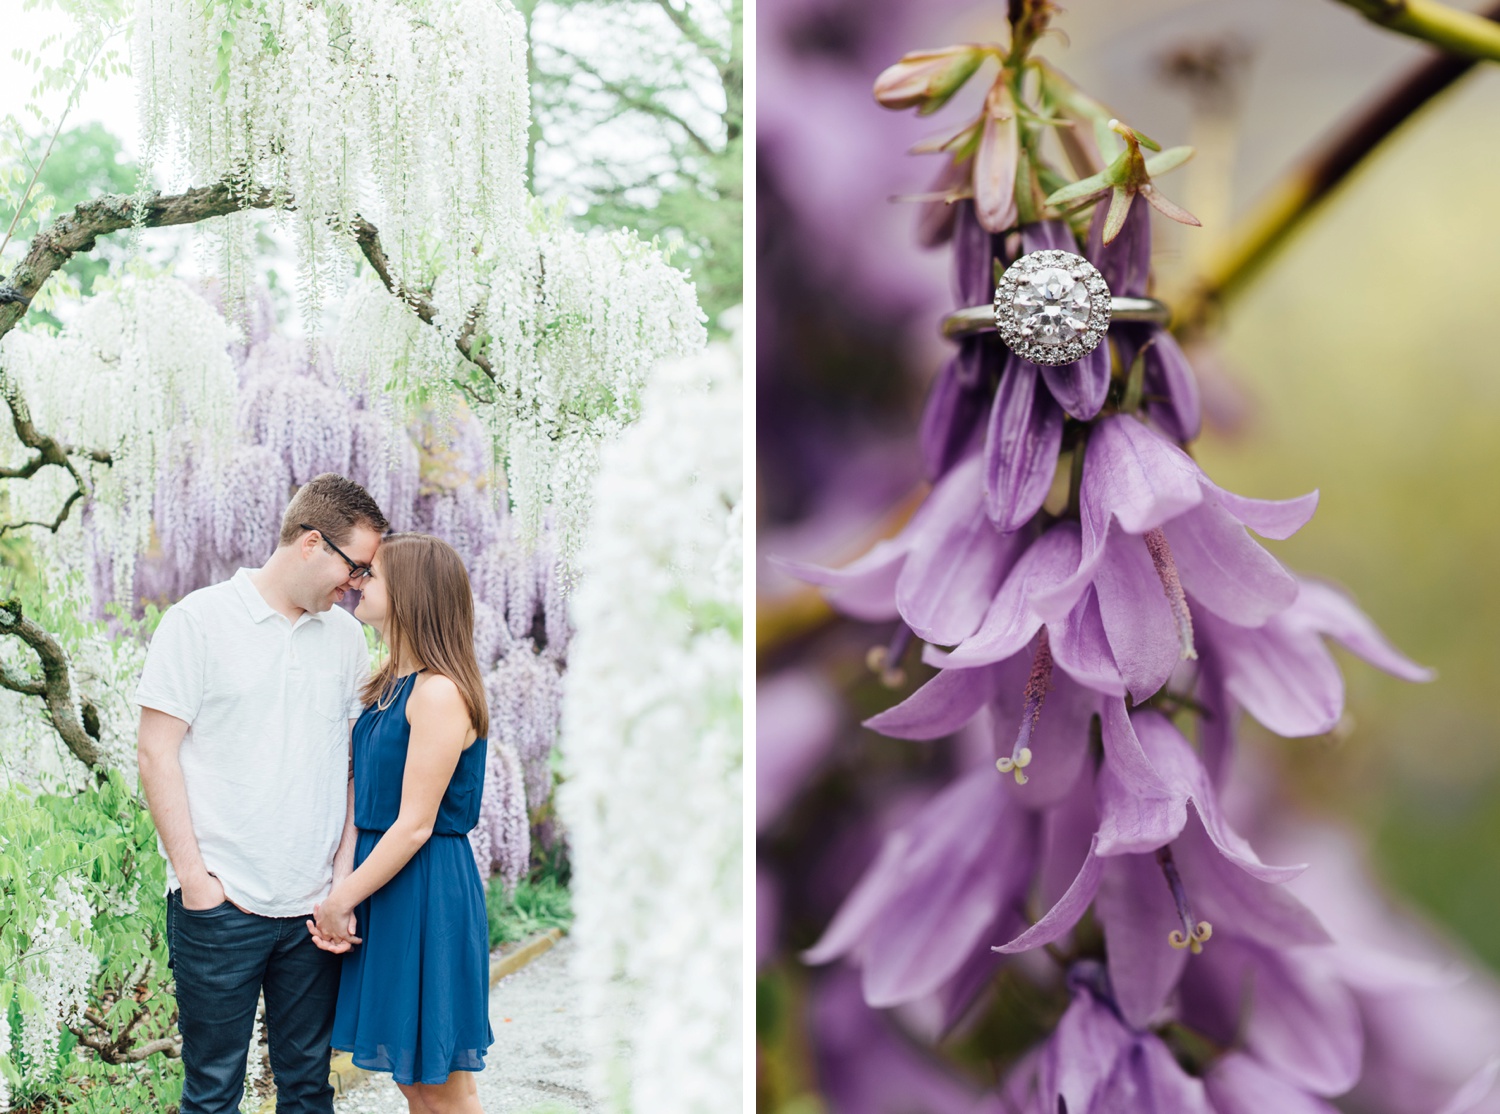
<point x="342" y="1072"/>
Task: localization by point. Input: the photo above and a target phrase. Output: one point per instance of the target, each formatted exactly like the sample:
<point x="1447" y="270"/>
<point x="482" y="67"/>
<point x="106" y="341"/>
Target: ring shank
<point x="981" y="319"/>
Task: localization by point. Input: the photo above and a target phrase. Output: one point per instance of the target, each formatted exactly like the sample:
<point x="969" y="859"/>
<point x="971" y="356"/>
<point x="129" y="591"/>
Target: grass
<point x="539" y="903"/>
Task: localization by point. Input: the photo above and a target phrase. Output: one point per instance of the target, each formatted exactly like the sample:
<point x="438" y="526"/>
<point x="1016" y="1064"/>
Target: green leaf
<point x="1170" y="159"/>
<point x="1084" y="187"/>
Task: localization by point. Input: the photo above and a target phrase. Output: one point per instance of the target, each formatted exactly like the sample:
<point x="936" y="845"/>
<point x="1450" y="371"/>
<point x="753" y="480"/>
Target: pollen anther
<point x="1015" y="765"/>
<point x="1195" y="942"/>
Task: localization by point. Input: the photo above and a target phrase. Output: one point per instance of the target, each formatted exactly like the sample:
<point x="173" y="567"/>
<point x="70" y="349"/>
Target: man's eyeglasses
<point x="356" y="572"/>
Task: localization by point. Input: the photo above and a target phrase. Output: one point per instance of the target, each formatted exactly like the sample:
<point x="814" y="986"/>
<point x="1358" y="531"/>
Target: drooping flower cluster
<point x="412" y="117"/>
<point x="56" y="971"/>
<point x="141" y="363"/>
<point x="1097" y="613"/>
<point x="652" y="749"/>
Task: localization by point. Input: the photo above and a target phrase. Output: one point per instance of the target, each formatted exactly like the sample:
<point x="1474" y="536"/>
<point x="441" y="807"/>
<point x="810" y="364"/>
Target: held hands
<point x="332" y="926"/>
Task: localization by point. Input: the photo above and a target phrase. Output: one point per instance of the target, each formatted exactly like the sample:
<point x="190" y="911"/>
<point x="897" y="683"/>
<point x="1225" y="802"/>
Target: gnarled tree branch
<point x="77" y="231"/>
<point x="367" y="236"/>
<point x="116" y="1049"/>
<point x="78" y="726"/>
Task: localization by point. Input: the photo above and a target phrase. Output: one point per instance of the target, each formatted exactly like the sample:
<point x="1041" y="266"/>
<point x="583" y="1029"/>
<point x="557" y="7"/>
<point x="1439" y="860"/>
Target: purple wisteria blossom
<point x="297" y="417"/>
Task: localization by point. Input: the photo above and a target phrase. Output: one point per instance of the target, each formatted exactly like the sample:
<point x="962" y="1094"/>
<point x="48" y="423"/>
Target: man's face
<point x="329" y="573"/>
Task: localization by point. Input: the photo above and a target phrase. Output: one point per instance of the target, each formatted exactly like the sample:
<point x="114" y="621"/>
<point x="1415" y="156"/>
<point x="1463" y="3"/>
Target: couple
<point x="314" y="817"/>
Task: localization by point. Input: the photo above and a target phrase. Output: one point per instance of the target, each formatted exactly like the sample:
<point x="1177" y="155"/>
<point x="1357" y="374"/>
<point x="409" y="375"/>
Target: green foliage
<point x="84" y="163"/>
<point x="103" y="841"/>
<point x="540" y="902"/>
<point x="666" y="82"/>
<point x="62" y="65"/>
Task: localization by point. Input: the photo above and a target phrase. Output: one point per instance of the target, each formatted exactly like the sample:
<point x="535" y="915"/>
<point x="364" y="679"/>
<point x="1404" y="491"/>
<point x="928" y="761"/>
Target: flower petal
<point x="957" y="560"/>
<point x="955" y="407"/>
<point x="1048" y="235"/>
<point x="1180" y="768"/>
<point x="973" y="256"/>
<point x="1059" y="744"/>
<point x="1240" y="1084"/>
<point x="1124" y="755"/>
<point x="1081" y="387"/>
<point x="1304" y="1024"/>
<point x="1325" y="609"/>
<point x="1081" y="648"/>
<point x="1135" y="910"/>
<point x="1226" y="570"/>
<point x="940" y="707"/>
<point x="1137" y="476"/>
<point x="866" y="587"/>
<point x="1148" y="1078"/>
<point x="924" y="935"/>
<point x="1270" y="518"/>
<point x="1284" y="677"/>
<point x="995" y="162"/>
<point x="1082" y="1052"/>
<point x="1234" y="901"/>
<point x="1061" y="918"/>
<point x="1137" y="616"/>
<point x="1172" y="388"/>
<point x="1009" y="622"/>
<point x="1021" y="446"/>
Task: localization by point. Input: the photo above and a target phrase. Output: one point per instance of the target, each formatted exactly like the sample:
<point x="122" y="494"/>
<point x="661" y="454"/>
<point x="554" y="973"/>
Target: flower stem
<point x="1454" y="30"/>
<point x="1312" y="180"/>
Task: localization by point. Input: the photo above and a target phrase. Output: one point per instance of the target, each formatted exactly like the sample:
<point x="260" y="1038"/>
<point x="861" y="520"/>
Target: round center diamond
<point x="1051" y="307"/>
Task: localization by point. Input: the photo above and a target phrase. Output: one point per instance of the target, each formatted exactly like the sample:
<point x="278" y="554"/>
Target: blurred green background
<point x="1367" y="355"/>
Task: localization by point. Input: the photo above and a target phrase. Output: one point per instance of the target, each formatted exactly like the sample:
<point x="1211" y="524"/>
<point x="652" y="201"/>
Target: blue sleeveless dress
<point x="414" y="996"/>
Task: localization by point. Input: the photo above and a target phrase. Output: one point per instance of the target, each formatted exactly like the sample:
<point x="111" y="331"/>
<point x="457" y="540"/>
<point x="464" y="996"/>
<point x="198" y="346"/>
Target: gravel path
<point x="536" y="1065"/>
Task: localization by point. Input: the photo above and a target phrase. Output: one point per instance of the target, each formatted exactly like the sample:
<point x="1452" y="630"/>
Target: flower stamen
<point x="1037" y="684"/>
<point x="1192" y="935"/>
<point x="1166" y="570"/>
<point x="885" y="661"/>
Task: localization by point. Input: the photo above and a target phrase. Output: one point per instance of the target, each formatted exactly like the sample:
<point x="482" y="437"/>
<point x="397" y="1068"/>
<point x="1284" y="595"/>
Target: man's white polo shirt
<point x="265" y="760"/>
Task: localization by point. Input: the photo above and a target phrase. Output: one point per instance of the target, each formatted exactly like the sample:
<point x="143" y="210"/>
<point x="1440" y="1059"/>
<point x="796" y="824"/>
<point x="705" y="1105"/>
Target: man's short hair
<point x="333" y="506"/>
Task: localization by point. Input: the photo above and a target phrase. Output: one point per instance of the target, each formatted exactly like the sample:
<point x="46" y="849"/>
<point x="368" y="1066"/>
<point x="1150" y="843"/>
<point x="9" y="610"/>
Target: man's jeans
<point x="223" y="959"/>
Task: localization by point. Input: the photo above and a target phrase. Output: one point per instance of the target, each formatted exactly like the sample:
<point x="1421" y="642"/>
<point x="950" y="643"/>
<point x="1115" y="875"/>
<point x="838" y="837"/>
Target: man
<point x="247" y="699"/>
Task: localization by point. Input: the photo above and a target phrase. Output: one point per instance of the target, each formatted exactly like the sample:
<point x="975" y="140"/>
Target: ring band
<point x="981" y="319"/>
<point x="1052" y="307"/>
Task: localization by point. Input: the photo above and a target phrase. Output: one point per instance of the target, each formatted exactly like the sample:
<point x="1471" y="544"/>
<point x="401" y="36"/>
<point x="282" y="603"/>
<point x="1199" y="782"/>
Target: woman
<point x="414" y="994"/>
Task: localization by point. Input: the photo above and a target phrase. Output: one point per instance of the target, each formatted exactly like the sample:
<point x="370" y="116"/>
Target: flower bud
<point x="926" y="79"/>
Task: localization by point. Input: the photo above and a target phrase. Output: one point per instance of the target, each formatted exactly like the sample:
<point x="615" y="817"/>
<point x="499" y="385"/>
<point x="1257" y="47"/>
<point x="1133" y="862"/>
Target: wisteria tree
<point x="466" y="354"/>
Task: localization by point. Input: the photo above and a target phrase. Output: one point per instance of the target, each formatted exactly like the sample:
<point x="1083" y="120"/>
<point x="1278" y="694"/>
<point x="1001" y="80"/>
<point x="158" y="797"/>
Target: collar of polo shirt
<point x="256" y="604"/>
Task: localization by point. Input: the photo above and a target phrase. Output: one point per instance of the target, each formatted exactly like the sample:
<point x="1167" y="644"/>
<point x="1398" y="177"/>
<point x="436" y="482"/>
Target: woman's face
<point x="374" y="604"/>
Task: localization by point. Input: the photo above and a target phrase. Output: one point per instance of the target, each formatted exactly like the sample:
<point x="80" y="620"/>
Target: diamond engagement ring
<point x="1052" y="307"/>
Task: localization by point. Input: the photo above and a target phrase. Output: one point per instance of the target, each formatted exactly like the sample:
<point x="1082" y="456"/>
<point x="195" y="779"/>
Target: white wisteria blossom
<point x="600" y="311"/>
<point x="412" y="115"/>
<point x="57" y="969"/>
<point x="652" y="748"/>
<point x="143" y="360"/>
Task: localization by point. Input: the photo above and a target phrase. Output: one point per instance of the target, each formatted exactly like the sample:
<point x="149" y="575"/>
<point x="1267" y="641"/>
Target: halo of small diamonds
<point x="1052" y="307"/>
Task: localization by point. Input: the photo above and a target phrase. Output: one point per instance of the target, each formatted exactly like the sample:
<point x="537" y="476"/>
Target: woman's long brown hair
<point x="430" y="617"/>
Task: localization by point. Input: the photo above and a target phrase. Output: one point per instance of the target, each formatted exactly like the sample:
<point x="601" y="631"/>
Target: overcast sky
<point x="111" y="102"/>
